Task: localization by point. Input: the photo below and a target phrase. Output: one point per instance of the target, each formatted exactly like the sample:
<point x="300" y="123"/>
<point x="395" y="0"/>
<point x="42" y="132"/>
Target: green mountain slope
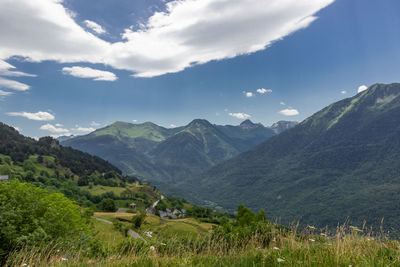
<point x="342" y="162"/>
<point x="162" y="155"/>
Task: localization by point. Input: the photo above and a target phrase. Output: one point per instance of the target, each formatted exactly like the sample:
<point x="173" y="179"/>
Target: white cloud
<point x="86" y="72"/>
<point x="17" y="128"/>
<point x="263" y="91"/>
<point x="189" y="32"/>
<point x="362" y="88"/>
<point x="283" y="103"/>
<point x="59" y="125"/>
<point x="94" y="27"/>
<point x="248" y="94"/>
<point x="53" y="129"/>
<point x="343" y="92"/>
<point x="7" y="69"/>
<point x="239" y="115"/>
<point x="84" y="129"/>
<point x="289" y="112"/>
<point x="38" y="116"/>
<point x="95" y="124"/>
<point x="172" y="126"/>
<point x="4" y="93"/>
<point x="134" y="120"/>
<point x="11" y="84"/>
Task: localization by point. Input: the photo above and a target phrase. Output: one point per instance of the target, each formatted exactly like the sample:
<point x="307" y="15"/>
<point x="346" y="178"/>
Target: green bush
<point x="107" y="204"/>
<point x="30" y="216"/>
<point x="138" y="220"/>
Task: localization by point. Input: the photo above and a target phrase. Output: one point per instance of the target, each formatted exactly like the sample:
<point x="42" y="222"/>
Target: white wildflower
<point x="148" y="234"/>
<point x="163" y="244"/>
<point x="280" y="260"/>
<point x="276" y="248"/>
<point x="24" y="264"/>
<point x="323" y="234"/>
<point x="64" y="259"/>
<point x="152" y="248"/>
<point x="312" y="240"/>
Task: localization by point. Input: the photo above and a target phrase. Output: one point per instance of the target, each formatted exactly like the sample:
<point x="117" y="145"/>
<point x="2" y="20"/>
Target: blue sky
<point x="209" y="68"/>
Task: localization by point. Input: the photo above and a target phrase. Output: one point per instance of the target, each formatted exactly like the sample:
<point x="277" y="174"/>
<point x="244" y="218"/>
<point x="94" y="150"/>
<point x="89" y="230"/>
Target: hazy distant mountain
<point x="65" y="137"/>
<point x="343" y="161"/>
<point x="158" y="154"/>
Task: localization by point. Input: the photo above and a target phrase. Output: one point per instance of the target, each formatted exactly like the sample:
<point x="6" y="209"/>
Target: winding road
<point x="130" y="231"/>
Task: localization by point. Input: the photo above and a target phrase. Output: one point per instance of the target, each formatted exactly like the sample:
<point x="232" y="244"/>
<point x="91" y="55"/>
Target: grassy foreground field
<point x="267" y="246"/>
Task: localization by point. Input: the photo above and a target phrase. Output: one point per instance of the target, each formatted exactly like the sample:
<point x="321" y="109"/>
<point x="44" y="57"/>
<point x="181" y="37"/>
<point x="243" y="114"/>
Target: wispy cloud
<point x="263" y="91"/>
<point x="54" y="129"/>
<point x="187" y="33"/>
<point x="289" y="112"/>
<point x="7" y="69"/>
<point x="95" y="124"/>
<point x="343" y="92"/>
<point x="38" y="116"/>
<point x="14" y="85"/>
<point x="89" y="73"/>
<point x="240" y="115"/>
<point x="83" y="129"/>
<point x="4" y="94"/>
<point x="94" y="27"/>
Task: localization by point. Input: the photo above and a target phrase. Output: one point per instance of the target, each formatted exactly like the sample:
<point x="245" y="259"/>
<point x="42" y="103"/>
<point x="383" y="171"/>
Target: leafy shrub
<point x="138" y="220"/>
<point x="30" y="216"/>
<point x="107" y="204"/>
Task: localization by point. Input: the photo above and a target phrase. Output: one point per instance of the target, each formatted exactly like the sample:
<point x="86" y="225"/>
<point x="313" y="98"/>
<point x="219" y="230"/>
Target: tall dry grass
<point x="348" y="246"/>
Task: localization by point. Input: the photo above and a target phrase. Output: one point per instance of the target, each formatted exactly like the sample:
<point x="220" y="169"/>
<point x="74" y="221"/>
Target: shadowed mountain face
<point x="343" y="161"/>
<point x="162" y="155"/>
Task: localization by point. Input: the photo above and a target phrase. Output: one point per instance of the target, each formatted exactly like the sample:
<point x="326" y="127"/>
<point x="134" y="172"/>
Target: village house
<point x="132" y="206"/>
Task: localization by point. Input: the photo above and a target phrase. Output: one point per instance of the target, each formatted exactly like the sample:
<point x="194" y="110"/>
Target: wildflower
<point x="163" y="244"/>
<point x="312" y="240"/>
<point x="323" y="234"/>
<point x="280" y="260"/>
<point x="276" y="248"/>
<point x="152" y="248"/>
<point x="149" y="234"/>
<point x="64" y="259"/>
<point x="24" y="264"/>
<point x="311" y="227"/>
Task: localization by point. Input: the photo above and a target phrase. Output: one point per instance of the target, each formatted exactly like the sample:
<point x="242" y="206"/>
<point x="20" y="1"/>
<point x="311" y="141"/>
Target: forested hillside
<point x="341" y="163"/>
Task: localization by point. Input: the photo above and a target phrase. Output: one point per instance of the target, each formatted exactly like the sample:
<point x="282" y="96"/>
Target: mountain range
<point x="169" y="155"/>
<point x="341" y="164"/>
